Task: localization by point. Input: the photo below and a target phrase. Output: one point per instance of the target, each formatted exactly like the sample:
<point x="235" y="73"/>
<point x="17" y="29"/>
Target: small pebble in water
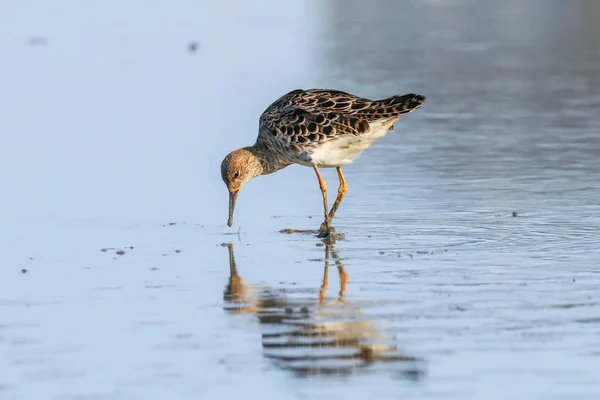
<point x="23" y="271"/>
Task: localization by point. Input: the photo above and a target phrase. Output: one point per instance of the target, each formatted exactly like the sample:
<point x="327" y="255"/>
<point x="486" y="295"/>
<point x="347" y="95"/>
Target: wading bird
<point x="315" y="128"/>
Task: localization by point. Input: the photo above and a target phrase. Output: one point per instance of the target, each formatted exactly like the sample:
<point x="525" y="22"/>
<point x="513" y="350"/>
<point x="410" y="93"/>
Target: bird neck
<point x="270" y="161"/>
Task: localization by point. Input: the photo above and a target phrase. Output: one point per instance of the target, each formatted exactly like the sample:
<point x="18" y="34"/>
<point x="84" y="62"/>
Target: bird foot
<point x="325" y="230"/>
<point x="328" y="234"/>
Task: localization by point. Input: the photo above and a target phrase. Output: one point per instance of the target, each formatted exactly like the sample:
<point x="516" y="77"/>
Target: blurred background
<point x="471" y="229"/>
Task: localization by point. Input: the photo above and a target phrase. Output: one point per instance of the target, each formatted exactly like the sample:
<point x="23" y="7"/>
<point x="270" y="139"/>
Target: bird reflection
<point x="319" y="336"/>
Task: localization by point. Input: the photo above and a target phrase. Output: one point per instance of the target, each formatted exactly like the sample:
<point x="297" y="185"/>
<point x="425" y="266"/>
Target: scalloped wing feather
<point x="303" y="119"/>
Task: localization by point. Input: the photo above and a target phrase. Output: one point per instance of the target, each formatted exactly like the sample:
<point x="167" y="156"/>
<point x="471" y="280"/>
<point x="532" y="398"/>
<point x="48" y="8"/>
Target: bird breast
<point x="344" y="149"/>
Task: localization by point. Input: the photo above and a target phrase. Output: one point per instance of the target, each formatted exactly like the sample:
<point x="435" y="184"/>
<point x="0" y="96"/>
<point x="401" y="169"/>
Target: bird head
<point x="237" y="168"/>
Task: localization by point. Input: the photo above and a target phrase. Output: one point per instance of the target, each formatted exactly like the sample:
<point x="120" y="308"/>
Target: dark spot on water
<point x="413" y="374"/>
<point x="514" y="214"/>
<point x="104" y="250"/>
<point x="382" y="252"/>
<point x="37" y="41"/>
<point x="120" y="252"/>
<point x="172" y="223"/>
<point x="192" y="47"/>
<point x="177" y="251"/>
<point x="164" y="255"/>
<point x="23" y="271"/>
<point x="153" y="269"/>
<point x="304" y="310"/>
<point x="288" y="310"/>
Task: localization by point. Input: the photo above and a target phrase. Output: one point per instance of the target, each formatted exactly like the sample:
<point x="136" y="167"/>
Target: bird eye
<point x="236" y="174"/>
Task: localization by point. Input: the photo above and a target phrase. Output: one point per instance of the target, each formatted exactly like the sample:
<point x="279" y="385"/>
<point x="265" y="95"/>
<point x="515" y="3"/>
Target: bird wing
<point x="305" y="117"/>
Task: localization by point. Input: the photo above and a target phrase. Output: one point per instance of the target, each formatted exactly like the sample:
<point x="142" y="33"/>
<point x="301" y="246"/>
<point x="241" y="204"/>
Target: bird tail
<point x="399" y="105"/>
<point x="394" y="106"/>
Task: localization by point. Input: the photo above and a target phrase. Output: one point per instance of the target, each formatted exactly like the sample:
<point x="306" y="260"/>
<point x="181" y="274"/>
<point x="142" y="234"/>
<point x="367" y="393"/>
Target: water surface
<point x="470" y="264"/>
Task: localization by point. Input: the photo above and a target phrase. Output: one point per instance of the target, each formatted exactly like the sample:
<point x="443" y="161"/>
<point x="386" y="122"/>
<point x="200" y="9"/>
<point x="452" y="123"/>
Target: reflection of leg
<point x="323" y="291"/>
<point x="341" y="193"/>
<point x="323" y="186"/>
<point x="342" y="274"/>
<point x="343" y="278"/>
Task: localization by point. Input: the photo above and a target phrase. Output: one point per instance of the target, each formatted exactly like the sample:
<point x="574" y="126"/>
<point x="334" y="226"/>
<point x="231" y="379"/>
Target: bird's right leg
<point x="341" y="193"/>
<point x="323" y="185"/>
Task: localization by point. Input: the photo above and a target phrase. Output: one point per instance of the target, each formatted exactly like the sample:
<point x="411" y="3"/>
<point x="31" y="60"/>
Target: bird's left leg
<point x="323" y="185"/>
<point x="341" y="193"/>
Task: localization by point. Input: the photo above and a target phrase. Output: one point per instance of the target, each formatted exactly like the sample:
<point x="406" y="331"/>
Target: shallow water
<point x="470" y="263"/>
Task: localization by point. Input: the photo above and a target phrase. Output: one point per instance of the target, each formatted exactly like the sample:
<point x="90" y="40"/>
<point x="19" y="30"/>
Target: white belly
<point x="346" y="148"/>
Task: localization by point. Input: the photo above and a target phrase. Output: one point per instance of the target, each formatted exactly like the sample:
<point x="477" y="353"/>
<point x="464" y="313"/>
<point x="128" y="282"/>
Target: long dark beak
<point x="232" y="198"/>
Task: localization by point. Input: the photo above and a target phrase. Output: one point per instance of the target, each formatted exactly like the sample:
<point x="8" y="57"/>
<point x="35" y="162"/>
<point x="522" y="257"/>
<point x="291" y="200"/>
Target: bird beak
<point x="232" y="198"/>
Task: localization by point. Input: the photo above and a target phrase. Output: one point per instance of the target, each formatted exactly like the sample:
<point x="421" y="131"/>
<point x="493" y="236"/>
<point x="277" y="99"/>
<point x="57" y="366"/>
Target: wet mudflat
<point x="469" y="266"/>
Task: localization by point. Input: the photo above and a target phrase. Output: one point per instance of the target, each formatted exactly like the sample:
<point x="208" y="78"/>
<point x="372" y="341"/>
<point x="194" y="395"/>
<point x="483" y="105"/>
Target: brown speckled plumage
<point x="318" y="128"/>
<point x="301" y="120"/>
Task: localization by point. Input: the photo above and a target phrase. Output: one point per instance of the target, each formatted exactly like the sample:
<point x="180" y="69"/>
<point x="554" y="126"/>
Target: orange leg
<point x="323" y="186"/>
<point x="341" y="193"/>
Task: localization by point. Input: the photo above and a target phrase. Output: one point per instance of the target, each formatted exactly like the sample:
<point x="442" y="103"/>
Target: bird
<point x="317" y="128"/>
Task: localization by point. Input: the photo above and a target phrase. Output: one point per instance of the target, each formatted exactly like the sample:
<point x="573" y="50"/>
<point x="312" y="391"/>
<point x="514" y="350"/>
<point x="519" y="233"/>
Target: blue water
<point x="469" y="267"/>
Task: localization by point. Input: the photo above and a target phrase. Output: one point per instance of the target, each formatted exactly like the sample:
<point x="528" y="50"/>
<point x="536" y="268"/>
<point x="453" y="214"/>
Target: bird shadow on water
<point x="317" y="335"/>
